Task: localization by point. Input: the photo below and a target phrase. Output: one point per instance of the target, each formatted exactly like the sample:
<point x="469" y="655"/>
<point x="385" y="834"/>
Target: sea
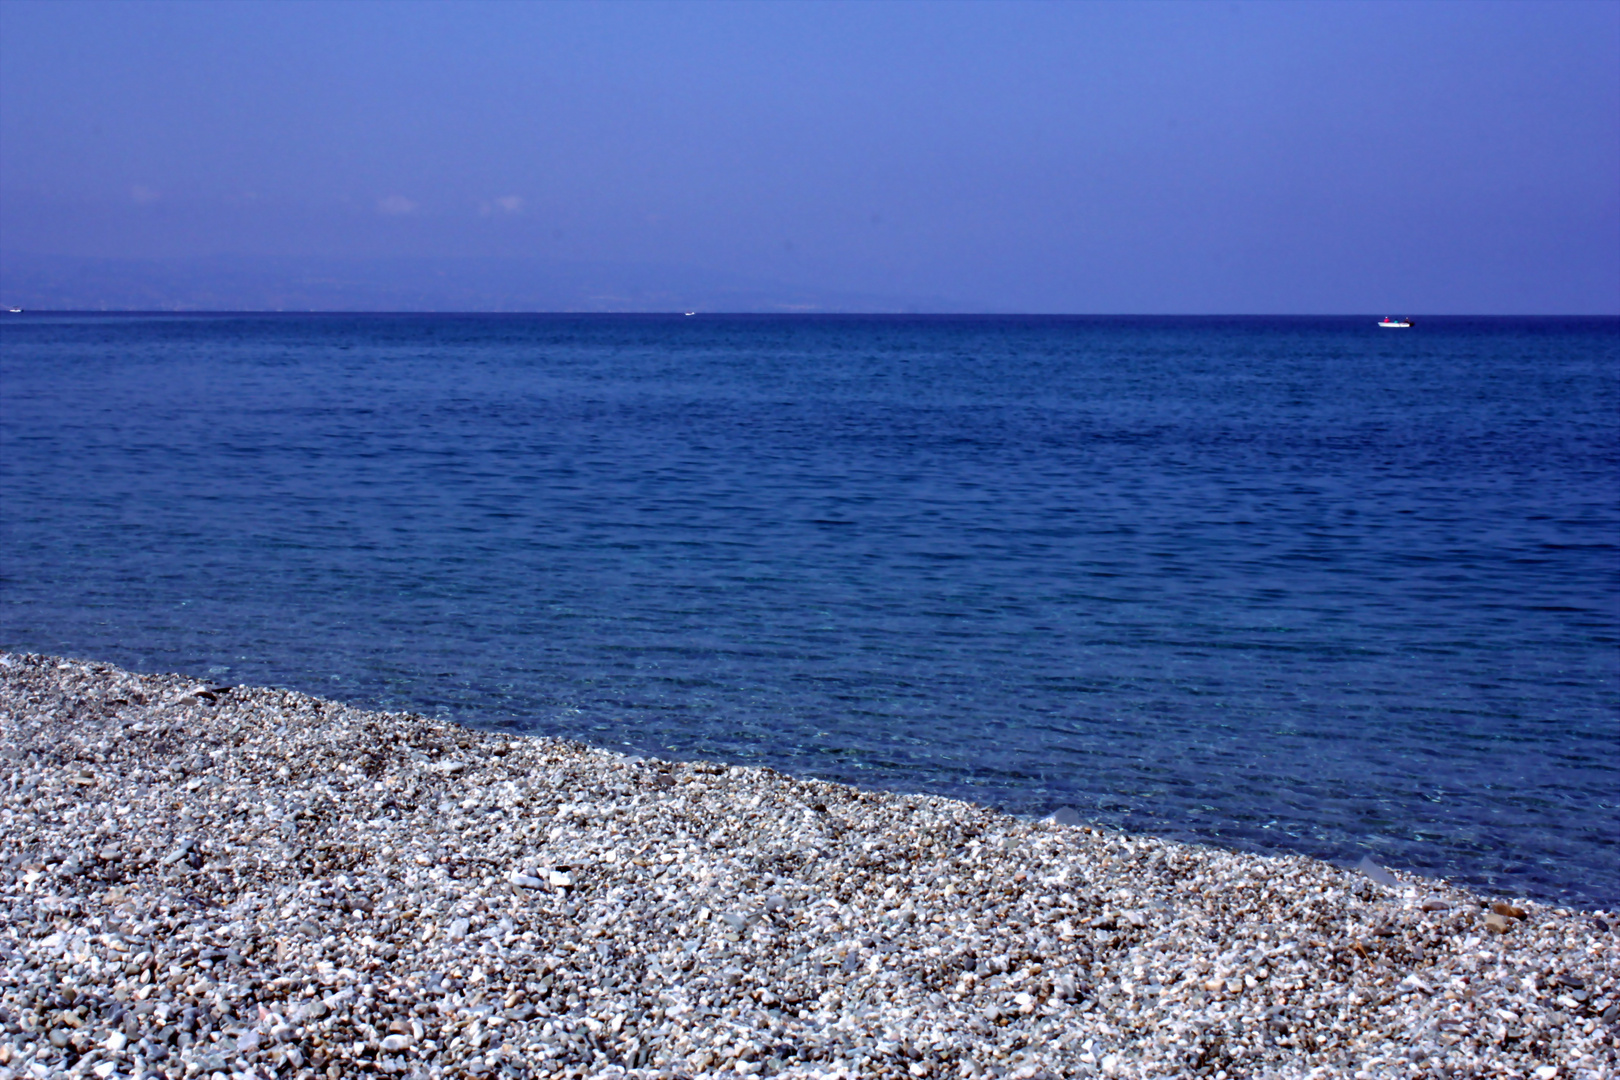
<point x="1284" y="585"/>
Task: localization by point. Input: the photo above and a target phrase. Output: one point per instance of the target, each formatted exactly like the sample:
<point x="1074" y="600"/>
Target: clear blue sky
<point x="1209" y="157"/>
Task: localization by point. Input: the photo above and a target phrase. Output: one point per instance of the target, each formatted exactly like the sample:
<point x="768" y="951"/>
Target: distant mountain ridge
<point x="269" y="283"/>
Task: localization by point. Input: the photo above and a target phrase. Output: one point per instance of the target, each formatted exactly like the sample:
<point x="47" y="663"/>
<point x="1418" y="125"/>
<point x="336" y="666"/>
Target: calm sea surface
<point x="1285" y="585"/>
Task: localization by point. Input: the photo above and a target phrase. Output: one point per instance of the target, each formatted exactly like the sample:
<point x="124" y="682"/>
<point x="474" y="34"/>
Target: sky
<point x="1087" y="158"/>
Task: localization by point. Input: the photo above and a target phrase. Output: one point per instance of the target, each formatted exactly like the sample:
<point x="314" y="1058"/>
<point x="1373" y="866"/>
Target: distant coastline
<point x="492" y="285"/>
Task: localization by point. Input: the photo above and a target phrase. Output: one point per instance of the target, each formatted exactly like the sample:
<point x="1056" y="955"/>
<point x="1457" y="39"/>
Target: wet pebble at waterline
<point x="203" y="880"/>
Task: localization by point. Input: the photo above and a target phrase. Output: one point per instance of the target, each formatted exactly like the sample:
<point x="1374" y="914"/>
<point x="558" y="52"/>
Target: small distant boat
<point x="1402" y="323"/>
<point x="691" y="313"/>
<point x="16" y="311"/>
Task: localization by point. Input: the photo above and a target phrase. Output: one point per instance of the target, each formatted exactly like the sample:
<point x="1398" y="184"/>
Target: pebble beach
<point x="225" y="882"/>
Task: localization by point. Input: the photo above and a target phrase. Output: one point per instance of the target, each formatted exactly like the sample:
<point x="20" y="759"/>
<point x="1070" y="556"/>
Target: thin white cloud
<point x="144" y="195"/>
<point x="396" y="205"/>
<point x="506" y="204"/>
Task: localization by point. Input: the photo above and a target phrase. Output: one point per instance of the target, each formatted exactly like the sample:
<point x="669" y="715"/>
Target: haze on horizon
<point x="1065" y="158"/>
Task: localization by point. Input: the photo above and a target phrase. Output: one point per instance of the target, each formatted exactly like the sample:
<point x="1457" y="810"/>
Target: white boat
<point x="1395" y="324"/>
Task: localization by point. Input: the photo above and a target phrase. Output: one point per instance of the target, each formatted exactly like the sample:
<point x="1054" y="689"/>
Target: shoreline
<point x="253" y="881"/>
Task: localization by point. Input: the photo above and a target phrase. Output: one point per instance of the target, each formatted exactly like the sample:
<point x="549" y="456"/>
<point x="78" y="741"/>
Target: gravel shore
<point x="226" y="882"/>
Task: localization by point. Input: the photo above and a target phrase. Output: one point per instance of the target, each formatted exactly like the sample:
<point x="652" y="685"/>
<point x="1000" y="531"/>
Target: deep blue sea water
<point x="1279" y="584"/>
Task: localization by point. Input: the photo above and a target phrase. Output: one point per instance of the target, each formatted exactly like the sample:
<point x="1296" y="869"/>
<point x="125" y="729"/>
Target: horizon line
<point x="832" y="313"/>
